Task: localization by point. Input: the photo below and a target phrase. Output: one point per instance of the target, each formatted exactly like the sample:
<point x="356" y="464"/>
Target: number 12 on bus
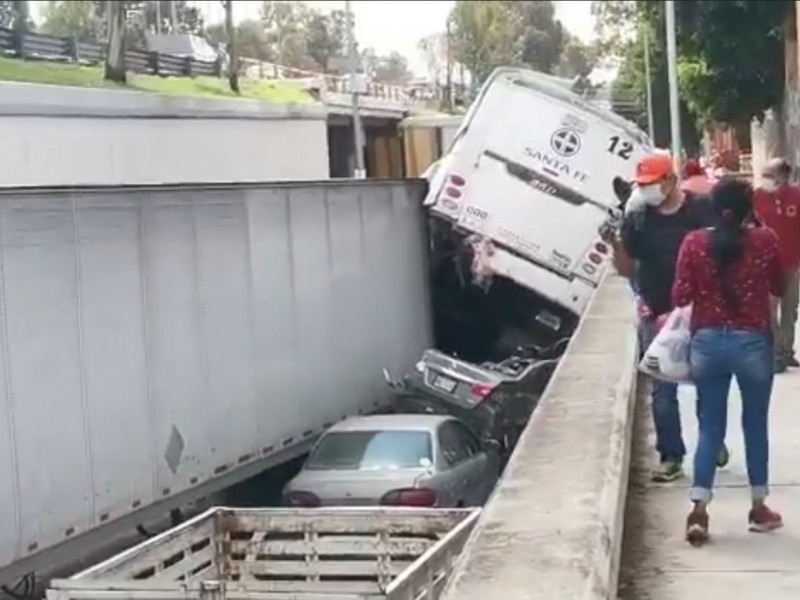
<point x="619" y="147"/>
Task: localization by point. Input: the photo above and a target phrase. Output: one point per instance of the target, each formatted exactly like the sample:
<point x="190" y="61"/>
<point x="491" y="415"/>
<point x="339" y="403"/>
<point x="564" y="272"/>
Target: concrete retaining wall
<point x="553" y="529"/>
<point x="54" y="135"/>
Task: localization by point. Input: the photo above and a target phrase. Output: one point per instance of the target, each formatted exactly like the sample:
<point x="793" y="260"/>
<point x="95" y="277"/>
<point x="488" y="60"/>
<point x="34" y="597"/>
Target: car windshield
<point x="371" y="450"/>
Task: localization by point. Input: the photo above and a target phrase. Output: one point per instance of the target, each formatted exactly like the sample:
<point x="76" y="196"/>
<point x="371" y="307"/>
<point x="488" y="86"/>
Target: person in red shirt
<point x="777" y="205"/>
<point x="695" y="179"/>
<point x="728" y="274"/>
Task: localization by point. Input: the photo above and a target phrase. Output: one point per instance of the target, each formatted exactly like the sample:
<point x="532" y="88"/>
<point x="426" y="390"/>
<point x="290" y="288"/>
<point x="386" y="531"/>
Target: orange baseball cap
<point x="654" y="168"/>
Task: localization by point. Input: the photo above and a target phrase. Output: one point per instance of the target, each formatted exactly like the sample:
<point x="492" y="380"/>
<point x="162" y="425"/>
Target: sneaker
<point x="697" y="528"/>
<point x="780" y="365"/>
<point x="791" y="361"/>
<point x="723" y="457"/>
<point x="668" y="470"/>
<point x="764" y="519"/>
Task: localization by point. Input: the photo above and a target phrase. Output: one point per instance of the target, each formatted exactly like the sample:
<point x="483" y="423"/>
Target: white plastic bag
<point x="667" y="358"/>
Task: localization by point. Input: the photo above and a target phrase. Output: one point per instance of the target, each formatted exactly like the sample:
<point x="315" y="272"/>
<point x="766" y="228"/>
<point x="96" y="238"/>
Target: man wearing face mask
<point x="777" y="205"/>
<point x="659" y="215"/>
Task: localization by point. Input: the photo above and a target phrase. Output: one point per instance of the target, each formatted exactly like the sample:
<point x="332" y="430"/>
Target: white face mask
<point x="635" y="202"/>
<point x="769" y="185"/>
<point x="651" y="195"/>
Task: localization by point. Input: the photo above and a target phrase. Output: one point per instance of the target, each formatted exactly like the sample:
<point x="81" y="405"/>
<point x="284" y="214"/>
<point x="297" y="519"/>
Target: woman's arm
<point x="683" y="289"/>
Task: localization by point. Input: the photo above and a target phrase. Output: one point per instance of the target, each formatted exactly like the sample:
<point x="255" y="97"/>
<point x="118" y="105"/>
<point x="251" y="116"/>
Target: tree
<point x="629" y="95"/>
<point x="15" y="14"/>
<point x="251" y="40"/>
<point x="290" y="34"/>
<point x="142" y="17"/>
<point x="623" y="25"/>
<point x="115" y="55"/>
<point x="6" y="14"/>
<point x="577" y="59"/>
<point x="134" y="21"/>
<point x="541" y="36"/>
<point x="216" y="35"/>
<point x="326" y="36"/>
<point x="76" y="18"/>
<point x="725" y="79"/>
<point x="285" y="27"/>
<point x="189" y="18"/>
<point x="233" y="64"/>
<point x="722" y="78"/>
<point x="393" y="69"/>
<point x="434" y="51"/>
<point x="614" y="22"/>
<point x="489" y="34"/>
<point x="482" y="33"/>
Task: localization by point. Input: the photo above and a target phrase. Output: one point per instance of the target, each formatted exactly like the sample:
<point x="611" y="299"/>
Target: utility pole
<point x="158" y="16"/>
<point x="672" y="65"/>
<point x="233" y="56"/>
<point x="173" y="10"/>
<point x="358" y="133"/>
<point x="449" y="75"/>
<point x="651" y="130"/>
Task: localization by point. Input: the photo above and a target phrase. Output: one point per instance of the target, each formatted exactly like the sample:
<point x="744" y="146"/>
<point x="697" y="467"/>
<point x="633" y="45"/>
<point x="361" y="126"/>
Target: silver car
<point x="396" y="460"/>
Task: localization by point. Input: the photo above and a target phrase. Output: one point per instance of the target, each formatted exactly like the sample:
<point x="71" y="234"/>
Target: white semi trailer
<point x="161" y="343"/>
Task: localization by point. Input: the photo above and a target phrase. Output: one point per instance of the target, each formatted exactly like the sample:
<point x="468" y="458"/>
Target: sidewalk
<point x="660" y="565"/>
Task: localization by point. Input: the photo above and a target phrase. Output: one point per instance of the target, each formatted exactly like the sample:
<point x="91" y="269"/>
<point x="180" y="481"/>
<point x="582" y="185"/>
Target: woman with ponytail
<point x="728" y="273"/>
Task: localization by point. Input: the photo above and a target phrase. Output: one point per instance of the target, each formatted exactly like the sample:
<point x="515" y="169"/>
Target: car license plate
<point x="444" y="383"/>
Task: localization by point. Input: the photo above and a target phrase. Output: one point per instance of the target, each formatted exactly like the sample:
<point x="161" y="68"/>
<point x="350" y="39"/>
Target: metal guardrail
<point x="36" y="46"/>
<point x="335" y="84"/>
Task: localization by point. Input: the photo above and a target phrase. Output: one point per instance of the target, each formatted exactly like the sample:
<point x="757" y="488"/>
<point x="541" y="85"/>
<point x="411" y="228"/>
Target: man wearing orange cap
<point x="652" y="231"/>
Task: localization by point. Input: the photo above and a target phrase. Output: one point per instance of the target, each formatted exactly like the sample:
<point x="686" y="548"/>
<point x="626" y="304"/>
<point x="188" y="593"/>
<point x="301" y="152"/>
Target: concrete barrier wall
<point x="553" y="528"/>
<point x="54" y="135"/>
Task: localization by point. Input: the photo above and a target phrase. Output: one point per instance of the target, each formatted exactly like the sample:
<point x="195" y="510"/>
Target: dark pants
<point x="666" y="410"/>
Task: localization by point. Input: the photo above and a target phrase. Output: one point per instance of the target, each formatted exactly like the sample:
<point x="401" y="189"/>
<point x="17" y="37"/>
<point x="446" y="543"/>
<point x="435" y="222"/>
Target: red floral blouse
<point x="753" y="278"/>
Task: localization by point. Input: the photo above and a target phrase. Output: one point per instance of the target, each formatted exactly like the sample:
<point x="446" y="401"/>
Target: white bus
<point x="530" y="171"/>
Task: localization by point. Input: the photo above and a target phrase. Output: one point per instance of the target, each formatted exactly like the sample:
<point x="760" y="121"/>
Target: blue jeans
<point x="717" y="355"/>
<point x="666" y="411"/>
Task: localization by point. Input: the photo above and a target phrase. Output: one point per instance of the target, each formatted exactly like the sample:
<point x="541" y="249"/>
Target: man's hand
<point x="608" y="232"/>
<point x="642" y="309"/>
<point x="609" y="229"/>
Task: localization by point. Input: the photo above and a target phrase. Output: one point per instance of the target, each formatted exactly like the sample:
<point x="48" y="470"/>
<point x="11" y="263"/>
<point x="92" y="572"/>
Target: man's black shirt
<point x="653" y="240"/>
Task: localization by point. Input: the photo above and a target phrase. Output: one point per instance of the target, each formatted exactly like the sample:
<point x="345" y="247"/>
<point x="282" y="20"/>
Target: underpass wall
<point x="56" y="135"/>
<point x="553" y="528"/>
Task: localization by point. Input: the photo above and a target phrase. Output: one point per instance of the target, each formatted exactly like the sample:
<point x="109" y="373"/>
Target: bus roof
<point x="556" y="87"/>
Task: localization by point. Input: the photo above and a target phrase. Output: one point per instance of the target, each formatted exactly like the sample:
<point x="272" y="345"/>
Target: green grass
<point x="208" y="87"/>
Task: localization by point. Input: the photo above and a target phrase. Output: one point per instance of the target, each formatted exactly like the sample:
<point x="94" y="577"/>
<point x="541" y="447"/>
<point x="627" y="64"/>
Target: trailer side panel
<point x="154" y="339"/>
